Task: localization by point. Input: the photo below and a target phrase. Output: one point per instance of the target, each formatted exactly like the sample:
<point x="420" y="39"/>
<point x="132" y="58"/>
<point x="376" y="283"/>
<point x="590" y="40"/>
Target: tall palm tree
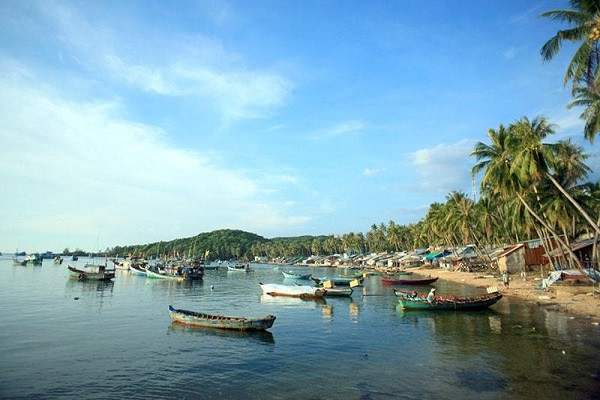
<point x="584" y="19"/>
<point x="589" y="98"/>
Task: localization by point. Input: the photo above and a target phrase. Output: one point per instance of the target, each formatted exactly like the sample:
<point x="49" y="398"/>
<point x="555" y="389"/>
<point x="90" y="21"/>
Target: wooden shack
<point x="512" y="259"/>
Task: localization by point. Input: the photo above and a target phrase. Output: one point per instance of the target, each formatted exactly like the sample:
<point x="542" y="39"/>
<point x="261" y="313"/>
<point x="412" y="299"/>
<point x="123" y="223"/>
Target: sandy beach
<point x="579" y="301"/>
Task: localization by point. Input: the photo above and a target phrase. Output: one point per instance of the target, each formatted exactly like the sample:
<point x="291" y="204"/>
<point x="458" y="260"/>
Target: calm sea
<point x="61" y="338"/>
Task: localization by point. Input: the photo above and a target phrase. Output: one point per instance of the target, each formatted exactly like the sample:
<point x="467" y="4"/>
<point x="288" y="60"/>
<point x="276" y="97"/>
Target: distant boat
<point x="91" y="273"/>
<point x="338" y="292"/>
<point x="292" y="275"/>
<point x="300" y="291"/>
<point x="33" y="259"/>
<point x="193" y="318"/>
<point x="417" y="301"/>
<point x="157" y="274"/>
<point x="402" y="281"/>
<point x="137" y="269"/>
<point x="238" y="267"/>
<point x="58" y="260"/>
<point x="337" y="281"/>
<point x="74" y="258"/>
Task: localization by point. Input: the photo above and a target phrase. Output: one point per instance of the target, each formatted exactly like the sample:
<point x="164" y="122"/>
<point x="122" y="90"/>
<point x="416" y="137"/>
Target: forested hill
<point x="223" y="244"/>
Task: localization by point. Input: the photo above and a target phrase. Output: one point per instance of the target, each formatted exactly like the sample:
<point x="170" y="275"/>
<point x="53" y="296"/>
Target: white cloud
<point x="341" y="129"/>
<point x="443" y="168"/>
<point x="373" y="171"/>
<point x="77" y="171"/>
<point x="175" y="65"/>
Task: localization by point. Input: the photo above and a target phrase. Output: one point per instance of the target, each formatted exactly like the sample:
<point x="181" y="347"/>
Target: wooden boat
<point x="337" y="281"/>
<point x="137" y="269"/>
<point x="33" y="259"/>
<point x="341" y="292"/>
<point x="418" y="301"/>
<point x="300" y="291"/>
<point x="57" y="260"/>
<point x="158" y="274"/>
<point x="238" y="268"/>
<point x="91" y="273"/>
<point x="221" y="321"/>
<point x="403" y="281"/>
<point x="292" y="275"/>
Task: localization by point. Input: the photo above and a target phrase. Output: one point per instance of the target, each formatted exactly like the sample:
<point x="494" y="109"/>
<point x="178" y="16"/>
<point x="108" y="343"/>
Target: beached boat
<point x="300" y="291"/>
<point x="293" y="275"/>
<point x="338" y="292"/>
<point x="418" y="301"/>
<point x="91" y="273"/>
<point x="337" y="281"/>
<point x="390" y="280"/>
<point x="221" y="321"/>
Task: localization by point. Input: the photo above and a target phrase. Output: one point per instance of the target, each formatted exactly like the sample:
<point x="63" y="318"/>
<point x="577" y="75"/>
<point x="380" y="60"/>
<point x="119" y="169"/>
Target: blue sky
<point x="127" y="122"/>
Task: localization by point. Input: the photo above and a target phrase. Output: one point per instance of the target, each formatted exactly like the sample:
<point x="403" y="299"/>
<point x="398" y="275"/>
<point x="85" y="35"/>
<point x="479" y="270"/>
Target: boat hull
<point x="193" y="318"/>
<point x="399" y="281"/>
<point x="334" y="292"/>
<point x="83" y="275"/>
<point x="410" y="301"/>
<point x="289" y="275"/>
<point x="155" y="275"/>
<point x="299" y="291"/>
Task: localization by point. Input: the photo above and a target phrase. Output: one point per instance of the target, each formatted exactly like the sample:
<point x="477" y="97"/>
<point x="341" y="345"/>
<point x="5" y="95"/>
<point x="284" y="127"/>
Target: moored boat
<point x="418" y="301"/>
<point x="300" y="291"/>
<point x="58" y="260"/>
<point x="194" y="318"/>
<point x="238" y="267"/>
<point x="137" y="269"/>
<point x="33" y="259"/>
<point x="162" y="274"/>
<point x="339" y="292"/>
<point x="91" y="273"/>
<point x="338" y="281"/>
<point x="387" y="280"/>
<point x="293" y="275"/>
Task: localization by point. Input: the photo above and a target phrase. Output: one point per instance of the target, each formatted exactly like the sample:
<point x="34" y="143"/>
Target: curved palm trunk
<point x="545" y="225"/>
<point x="575" y="204"/>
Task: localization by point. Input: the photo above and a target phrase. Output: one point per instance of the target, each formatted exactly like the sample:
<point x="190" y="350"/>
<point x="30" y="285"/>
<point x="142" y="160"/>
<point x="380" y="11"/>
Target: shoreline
<point x="579" y="301"/>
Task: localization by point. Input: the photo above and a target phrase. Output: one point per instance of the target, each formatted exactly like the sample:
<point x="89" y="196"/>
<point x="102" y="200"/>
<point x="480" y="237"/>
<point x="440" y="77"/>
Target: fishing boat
<point x="338" y="292"/>
<point x="293" y="275"/>
<point x="58" y="260"/>
<point x="337" y="281"/>
<point x="418" y="301"/>
<point x="238" y="267"/>
<point x="355" y="275"/>
<point x="390" y="280"/>
<point x="91" y="273"/>
<point x="300" y="291"/>
<point x="33" y="259"/>
<point x="158" y="273"/>
<point x="194" y="318"/>
<point x="137" y="269"/>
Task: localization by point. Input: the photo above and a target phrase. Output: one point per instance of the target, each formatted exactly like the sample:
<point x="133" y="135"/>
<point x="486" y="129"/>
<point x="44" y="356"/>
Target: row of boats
<point x="342" y="285"/>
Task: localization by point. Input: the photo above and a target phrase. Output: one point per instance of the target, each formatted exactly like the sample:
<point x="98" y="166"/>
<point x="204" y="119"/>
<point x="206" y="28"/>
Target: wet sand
<point x="580" y="300"/>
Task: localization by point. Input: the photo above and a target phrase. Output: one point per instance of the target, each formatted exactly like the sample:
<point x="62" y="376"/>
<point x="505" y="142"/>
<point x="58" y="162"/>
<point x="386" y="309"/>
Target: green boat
<point x="91" y="273"/>
<point x="418" y="301"/>
<point x="342" y="292"/>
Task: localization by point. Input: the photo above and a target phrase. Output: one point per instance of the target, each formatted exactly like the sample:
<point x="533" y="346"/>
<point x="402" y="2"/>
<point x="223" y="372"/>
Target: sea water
<point x="63" y="339"/>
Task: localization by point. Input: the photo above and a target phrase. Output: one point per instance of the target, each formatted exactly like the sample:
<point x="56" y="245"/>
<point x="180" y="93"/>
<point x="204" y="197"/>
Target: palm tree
<point x="585" y="21"/>
<point x="588" y="97"/>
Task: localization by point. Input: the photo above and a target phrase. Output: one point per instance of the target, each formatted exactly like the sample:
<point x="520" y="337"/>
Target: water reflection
<point x="261" y="336"/>
<point x="291" y="301"/>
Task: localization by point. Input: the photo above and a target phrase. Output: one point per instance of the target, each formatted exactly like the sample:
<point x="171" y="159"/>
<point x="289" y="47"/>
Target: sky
<point x="131" y="122"/>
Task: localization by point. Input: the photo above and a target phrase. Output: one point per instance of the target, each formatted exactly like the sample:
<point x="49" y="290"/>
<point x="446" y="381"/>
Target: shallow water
<point x="61" y="338"/>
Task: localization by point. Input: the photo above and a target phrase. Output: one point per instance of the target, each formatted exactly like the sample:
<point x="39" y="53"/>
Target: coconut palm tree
<point x="589" y="98"/>
<point x="584" y="18"/>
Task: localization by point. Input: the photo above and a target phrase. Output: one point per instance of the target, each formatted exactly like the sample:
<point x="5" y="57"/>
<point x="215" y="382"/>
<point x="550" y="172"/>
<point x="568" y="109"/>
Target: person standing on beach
<point x="505" y="278"/>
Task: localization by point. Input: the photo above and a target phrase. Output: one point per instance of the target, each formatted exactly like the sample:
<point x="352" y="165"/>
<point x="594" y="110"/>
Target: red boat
<point x="411" y="281"/>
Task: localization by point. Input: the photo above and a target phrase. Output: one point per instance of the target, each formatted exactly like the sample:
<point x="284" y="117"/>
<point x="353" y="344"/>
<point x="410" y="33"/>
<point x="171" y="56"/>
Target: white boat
<point x="137" y="269"/>
<point x="301" y="291"/>
<point x="238" y="268"/>
<point x="293" y="275"/>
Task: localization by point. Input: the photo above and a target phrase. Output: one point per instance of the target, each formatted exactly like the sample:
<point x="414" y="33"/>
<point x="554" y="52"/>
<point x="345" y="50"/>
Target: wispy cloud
<point x="176" y="65"/>
<point x="80" y="168"/>
<point x="373" y="171"/>
<point x="443" y="168"/>
<point x="340" y="129"/>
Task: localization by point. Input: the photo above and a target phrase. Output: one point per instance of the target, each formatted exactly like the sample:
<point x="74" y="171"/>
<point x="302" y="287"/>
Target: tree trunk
<point x="572" y="200"/>
<point x="545" y="225"/>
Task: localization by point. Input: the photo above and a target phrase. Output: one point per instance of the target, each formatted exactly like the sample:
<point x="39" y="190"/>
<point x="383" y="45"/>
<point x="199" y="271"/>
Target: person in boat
<point x="431" y="296"/>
